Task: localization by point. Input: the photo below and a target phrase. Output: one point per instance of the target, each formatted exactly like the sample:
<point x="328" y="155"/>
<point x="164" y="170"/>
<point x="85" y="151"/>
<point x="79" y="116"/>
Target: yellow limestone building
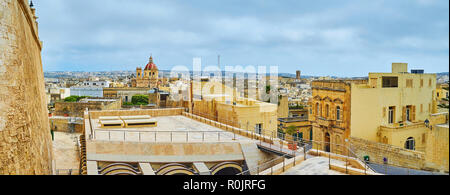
<point x="218" y="102"/>
<point x="388" y="108"/>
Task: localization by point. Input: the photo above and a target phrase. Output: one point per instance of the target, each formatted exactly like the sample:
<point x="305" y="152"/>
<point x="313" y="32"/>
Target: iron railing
<point x="165" y="136"/>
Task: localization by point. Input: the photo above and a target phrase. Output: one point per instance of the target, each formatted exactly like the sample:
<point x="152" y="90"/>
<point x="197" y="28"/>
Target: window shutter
<point x="413" y="114"/>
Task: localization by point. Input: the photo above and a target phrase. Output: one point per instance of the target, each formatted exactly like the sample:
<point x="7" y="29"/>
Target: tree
<point x="139" y="100"/>
<point x="291" y="130"/>
<point x="74" y="98"/>
<point x="268" y="88"/>
<point x="70" y="99"/>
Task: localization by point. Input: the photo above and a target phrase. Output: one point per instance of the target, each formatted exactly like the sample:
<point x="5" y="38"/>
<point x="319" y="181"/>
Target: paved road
<point x="391" y="170"/>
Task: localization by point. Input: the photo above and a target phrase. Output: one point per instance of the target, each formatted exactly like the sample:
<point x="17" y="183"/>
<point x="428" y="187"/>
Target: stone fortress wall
<point x="25" y="138"/>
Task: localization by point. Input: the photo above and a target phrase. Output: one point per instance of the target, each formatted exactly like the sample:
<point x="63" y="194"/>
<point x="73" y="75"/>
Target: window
<point x="409" y="83"/>
<point x="429" y="83"/>
<point x="421" y="83"/>
<point x="390" y="82"/>
<point x="338" y="113"/>
<point x="408" y="113"/>
<point x="438" y="94"/>
<point x="410" y="144"/>
<point x="373" y="82"/>
<point x="327" y="110"/>
<point x="391" y="115"/>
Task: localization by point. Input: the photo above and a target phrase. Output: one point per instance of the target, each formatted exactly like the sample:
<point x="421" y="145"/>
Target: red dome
<point x="151" y="65"/>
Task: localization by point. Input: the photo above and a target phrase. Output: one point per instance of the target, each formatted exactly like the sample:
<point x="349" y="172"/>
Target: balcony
<point x="325" y="122"/>
<point x="402" y="126"/>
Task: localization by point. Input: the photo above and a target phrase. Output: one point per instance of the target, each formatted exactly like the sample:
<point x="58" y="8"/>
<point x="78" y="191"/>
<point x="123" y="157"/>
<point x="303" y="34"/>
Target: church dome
<point x="151" y="65"/>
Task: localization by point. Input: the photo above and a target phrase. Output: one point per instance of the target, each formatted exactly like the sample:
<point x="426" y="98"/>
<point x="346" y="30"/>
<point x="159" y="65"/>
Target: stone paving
<point x="65" y="151"/>
<point x="314" y="166"/>
<point x="392" y="170"/>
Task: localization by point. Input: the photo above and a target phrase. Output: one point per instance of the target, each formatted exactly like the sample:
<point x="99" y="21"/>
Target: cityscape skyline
<point x="318" y="38"/>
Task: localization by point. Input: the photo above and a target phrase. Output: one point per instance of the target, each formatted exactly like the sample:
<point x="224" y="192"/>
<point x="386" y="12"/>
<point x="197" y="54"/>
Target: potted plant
<point x="66" y="112"/>
<point x="291" y="130"/>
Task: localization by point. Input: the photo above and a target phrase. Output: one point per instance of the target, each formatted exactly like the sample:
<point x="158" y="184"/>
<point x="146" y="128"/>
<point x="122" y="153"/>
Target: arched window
<point x="410" y="144"/>
<point x="338" y="113"/>
<point x="327" y="110"/>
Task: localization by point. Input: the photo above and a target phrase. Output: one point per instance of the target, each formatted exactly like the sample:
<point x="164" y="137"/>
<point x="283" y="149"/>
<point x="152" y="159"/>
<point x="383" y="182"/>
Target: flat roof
<point x="179" y="125"/>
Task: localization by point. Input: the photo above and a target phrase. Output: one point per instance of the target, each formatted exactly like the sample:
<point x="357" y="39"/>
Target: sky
<point x="320" y="38"/>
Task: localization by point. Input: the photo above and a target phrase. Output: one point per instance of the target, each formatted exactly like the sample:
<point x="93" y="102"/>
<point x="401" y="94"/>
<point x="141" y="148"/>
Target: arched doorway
<point x="327" y="142"/>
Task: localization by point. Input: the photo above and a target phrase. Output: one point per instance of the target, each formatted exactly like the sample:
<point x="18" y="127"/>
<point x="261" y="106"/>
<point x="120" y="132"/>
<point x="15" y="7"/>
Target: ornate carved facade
<point x="330" y="114"/>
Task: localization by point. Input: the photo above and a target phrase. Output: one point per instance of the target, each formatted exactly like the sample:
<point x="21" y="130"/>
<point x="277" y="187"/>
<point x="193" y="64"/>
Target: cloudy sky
<point x="321" y="37"/>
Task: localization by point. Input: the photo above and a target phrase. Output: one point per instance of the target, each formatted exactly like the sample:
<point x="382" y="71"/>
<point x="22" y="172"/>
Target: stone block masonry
<point x="396" y="156"/>
<point x="25" y="139"/>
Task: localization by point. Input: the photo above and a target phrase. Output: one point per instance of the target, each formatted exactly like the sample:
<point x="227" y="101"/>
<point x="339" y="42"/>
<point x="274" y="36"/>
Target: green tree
<point x="291" y="130"/>
<point x="74" y="98"/>
<point x="139" y="100"/>
<point x="71" y="99"/>
<point x="268" y="88"/>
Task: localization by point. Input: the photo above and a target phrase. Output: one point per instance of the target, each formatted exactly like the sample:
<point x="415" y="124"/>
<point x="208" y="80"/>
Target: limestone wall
<point x="437" y="153"/>
<point x="25" y="139"/>
<point x="76" y="109"/>
<point x="63" y="124"/>
<point x="151" y="112"/>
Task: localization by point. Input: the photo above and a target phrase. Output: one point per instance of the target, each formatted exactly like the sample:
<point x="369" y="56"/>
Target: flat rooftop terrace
<point x="176" y="129"/>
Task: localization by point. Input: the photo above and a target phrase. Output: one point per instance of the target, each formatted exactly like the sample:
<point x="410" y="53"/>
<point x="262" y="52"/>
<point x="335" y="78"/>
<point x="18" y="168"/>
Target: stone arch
<point x="174" y="169"/>
<point x="338" y="101"/>
<point x="318" y="98"/>
<point x="119" y="169"/>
